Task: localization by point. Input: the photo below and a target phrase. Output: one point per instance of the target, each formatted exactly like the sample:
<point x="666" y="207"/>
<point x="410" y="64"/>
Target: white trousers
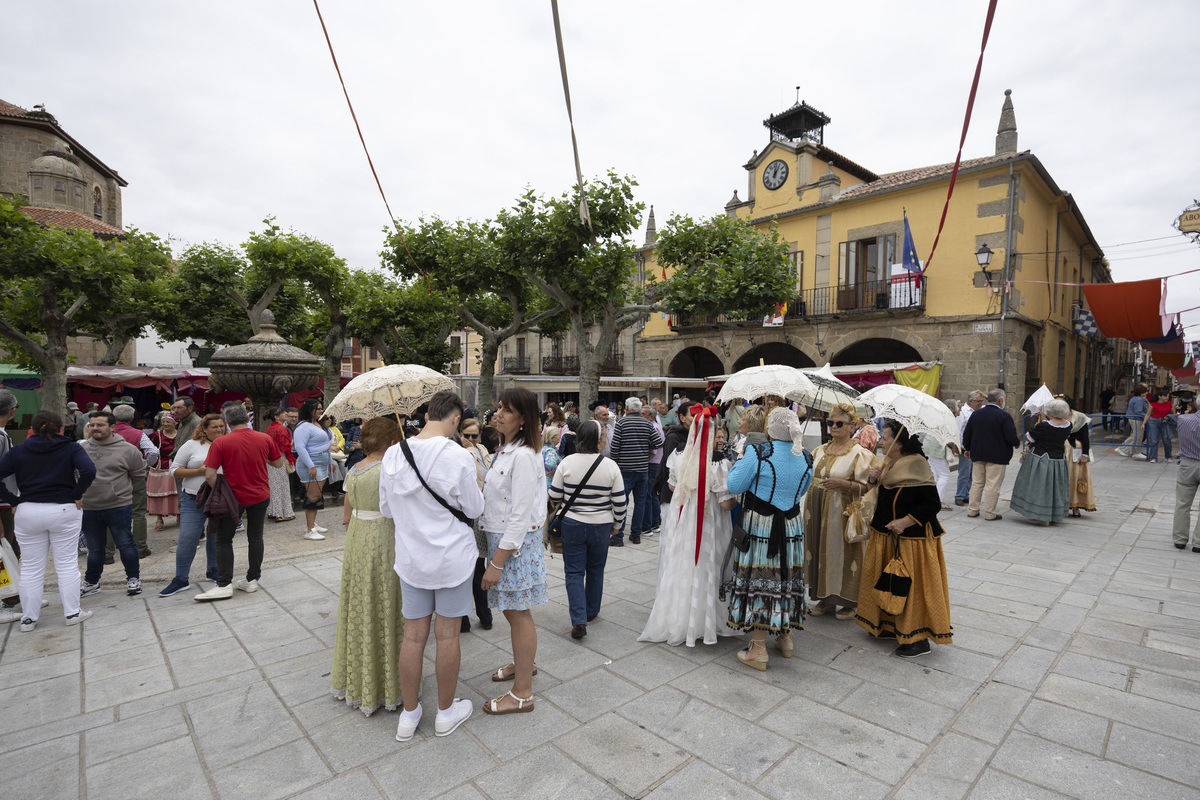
<point x="941" y="475"/>
<point x="40" y="528"/>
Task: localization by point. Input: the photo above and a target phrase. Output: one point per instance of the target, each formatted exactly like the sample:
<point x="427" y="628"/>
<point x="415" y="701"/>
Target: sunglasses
<point x="838" y="423"/>
<point x="470" y="436"/>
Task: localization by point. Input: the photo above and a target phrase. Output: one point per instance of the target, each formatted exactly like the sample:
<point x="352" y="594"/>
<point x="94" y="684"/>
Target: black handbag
<point x="555" y="527"/>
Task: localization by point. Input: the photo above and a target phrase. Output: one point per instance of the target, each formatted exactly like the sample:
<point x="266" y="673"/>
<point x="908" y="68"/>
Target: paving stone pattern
<point x="1074" y="673"/>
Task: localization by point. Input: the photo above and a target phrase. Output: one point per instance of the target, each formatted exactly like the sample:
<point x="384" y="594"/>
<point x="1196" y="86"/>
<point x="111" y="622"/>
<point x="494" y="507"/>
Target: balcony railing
<point x="613" y="364"/>
<point x="517" y="365"/>
<point x="870" y="297"/>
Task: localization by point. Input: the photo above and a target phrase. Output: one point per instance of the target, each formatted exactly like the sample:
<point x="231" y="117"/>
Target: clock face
<point x="775" y="174"/>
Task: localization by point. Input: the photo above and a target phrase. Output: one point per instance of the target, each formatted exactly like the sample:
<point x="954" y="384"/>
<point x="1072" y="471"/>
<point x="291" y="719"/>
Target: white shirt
<point x="191" y="456"/>
<point x="964" y="414"/>
<point x="514" y="495"/>
<point x="434" y="550"/>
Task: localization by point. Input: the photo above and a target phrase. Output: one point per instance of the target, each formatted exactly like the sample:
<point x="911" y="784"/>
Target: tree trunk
<point x="54" y="384"/>
<point x="488" y="351"/>
<point x="332" y="367"/>
<point x="115" y="346"/>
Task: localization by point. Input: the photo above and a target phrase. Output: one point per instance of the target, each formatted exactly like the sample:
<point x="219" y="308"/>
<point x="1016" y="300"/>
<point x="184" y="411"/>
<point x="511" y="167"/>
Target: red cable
<point x="987" y="29"/>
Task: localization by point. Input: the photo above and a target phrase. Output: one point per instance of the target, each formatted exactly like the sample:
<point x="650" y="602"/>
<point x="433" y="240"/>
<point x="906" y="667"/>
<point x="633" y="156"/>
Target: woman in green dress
<point x="366" y="651"/>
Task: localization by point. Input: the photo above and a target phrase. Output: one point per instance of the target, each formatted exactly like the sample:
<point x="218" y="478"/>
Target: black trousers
<point x="256" y="516"/>
<point x="479" y="593"/>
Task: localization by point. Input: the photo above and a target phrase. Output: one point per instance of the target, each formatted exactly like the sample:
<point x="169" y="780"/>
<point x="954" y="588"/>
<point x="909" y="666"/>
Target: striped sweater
<point x="633" y="439"/>
<point x="602" y="500"/>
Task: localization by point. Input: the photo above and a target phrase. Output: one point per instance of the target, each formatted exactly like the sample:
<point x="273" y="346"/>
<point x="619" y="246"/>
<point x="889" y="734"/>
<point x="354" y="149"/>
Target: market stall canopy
<point x="139" y="377"/>
<point x="1131" y="310"/>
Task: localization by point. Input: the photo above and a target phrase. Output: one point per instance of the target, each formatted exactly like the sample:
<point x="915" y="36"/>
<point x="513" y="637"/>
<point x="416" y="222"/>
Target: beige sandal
<point x="752" y="658"/>
<point x="783" y="643"/>
<point x="511" y="669"/>
<point x="493" y="706"/>
<point x="820" y="609"/>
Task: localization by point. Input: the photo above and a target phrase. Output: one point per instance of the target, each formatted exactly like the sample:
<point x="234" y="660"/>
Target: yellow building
<point x="854" y="303"/>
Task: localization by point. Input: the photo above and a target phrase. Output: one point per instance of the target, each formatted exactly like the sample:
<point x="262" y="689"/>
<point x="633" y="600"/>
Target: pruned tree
<point x="50" y="277"/>
<point x="408" y="324"/>
<point x="470" y="265"/>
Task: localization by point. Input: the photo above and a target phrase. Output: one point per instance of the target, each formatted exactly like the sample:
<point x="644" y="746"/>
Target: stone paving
<point x="1074" y="673"/>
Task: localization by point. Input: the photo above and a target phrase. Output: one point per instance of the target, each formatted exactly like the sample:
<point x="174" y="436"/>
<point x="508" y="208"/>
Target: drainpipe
<point x="1012" y="199"/>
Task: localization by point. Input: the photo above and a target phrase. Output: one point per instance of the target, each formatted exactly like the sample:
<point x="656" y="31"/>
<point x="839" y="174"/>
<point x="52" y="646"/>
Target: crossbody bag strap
<point x="565" y="507"/>
<point x="458" y="514"/>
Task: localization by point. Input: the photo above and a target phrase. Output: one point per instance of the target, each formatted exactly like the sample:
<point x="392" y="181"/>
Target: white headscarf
<point x="784" y="425"/>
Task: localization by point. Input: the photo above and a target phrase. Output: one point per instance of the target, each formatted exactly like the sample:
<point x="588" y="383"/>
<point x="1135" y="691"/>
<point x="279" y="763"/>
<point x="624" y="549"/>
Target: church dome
<point x="55" y="164"/>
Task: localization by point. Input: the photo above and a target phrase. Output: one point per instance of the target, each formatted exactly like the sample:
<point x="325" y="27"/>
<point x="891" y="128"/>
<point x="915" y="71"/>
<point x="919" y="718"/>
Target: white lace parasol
<point x="371" y="394"/>
<point x="918" y="412"/>
<point x="1037" y="401"/>
<point x="755" y="382"/>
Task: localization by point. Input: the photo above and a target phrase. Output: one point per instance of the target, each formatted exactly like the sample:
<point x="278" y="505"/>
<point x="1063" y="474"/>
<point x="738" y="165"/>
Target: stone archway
<point x="695" y="362"/>
<point x="876" y="351"/>
<point x="774" y="353"/>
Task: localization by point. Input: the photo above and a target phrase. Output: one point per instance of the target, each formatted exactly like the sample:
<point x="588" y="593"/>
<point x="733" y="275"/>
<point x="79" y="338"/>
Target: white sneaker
<point x="75" y="619"/>
<point x="649" y="532"/>
<point x="319" y="529"/>
<point x="216" y="593"/>
<point x="245" y="585"/>
<point x="313" y="535"/>
<point x="407" y="727"/>
<point x="447" y="721"/>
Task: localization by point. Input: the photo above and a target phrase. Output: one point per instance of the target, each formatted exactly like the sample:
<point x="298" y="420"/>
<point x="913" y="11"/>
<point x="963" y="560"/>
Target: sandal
<point x="820" y="609"/>
<point x="846" y="613"/>
<point x="783" y="643"/>
<point x="752" y="658"/>
<point x="493" y="706"/>
<point x="499" y="675"/>
<point x="158" y="526"/>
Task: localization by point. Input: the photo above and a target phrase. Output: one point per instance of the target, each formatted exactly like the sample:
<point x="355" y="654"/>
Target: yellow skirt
<point x="926" y="614"/>
<point x="1080" y="482"/>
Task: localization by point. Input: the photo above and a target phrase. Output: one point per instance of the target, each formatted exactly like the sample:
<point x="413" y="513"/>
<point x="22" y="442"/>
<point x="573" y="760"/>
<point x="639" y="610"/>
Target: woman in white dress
<point x="694" y="545"/>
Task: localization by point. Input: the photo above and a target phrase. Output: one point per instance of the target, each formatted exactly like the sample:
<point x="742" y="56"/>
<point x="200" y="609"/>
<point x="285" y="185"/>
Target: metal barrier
<point x="1098" y="420"/>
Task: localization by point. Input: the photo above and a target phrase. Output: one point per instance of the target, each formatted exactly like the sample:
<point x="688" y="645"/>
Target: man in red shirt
<point x="242" y="455"/>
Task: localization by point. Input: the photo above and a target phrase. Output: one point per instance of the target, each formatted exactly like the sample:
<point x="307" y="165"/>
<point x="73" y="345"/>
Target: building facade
<point x="855" y="304"/>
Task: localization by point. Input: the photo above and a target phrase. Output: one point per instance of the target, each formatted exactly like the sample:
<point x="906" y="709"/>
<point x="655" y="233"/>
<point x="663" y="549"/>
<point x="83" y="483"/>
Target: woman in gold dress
<point x="834" y="517"/>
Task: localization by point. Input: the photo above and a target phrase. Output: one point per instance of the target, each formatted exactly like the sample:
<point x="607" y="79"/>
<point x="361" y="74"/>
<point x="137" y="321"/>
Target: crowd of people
<point x="449" y="515"/>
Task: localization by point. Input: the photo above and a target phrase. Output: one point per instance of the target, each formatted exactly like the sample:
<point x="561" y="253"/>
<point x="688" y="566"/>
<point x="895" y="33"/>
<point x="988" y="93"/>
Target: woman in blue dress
<point x="768" y="579"/>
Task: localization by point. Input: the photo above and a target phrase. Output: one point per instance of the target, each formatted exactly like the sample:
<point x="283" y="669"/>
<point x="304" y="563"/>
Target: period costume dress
<point x="691" y="556"/>
<point x="280" y="507"/>
<point x="162" y="497"/>
<point x="370" y="628"/>
<point x="768" y="579"/>
<point x="1079" y="476"/>
<point x="1040" y="492"/>
<point x="907" y="489"/>
<point x="832" y="565"/>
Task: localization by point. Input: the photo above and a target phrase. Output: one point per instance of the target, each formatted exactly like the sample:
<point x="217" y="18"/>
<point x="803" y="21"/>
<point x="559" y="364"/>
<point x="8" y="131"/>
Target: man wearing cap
<point x="71" y="420"/>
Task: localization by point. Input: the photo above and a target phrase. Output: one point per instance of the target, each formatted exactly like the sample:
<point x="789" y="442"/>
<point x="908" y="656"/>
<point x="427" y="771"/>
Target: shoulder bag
<point x="458" y="514"/>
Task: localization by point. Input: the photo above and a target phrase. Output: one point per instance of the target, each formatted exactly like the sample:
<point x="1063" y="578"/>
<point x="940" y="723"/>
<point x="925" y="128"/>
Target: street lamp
<point x="193" y="351"/>
<point x="984" y="256"/>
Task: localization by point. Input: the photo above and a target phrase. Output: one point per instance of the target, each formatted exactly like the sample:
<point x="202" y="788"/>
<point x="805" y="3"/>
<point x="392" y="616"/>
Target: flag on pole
<point x="776" y="320"/>
<point x="1085" y="324"/>
<point x="911" y="262"/>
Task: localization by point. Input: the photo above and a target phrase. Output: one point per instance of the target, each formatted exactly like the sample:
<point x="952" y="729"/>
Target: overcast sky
<point x="221" y="113"/>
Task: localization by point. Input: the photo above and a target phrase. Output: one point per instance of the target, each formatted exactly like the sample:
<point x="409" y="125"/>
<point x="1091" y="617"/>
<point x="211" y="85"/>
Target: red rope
<point x="987" y="29"/>
<point x="362" y="139"/>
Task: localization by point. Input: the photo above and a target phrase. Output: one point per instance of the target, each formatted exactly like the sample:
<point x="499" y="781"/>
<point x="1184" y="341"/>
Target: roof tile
<point x="58" y="218"/>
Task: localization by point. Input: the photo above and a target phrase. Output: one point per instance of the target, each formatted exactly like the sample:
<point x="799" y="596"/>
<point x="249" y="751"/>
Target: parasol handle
<point x="893" y="444"/>
<point x="396" y="409"/>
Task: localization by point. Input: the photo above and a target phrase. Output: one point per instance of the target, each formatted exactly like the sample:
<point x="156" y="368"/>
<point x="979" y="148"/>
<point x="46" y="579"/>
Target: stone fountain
<point x="265" y="368"/>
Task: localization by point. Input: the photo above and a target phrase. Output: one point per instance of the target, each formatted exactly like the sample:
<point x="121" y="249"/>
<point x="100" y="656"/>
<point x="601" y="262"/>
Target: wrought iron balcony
<point x="516" y="365"/>
<point x="560" y="365"/>
<point x="870" y="297"/>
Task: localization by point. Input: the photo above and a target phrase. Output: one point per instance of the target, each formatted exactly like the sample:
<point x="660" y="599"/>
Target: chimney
<point x="1006" y="134"/>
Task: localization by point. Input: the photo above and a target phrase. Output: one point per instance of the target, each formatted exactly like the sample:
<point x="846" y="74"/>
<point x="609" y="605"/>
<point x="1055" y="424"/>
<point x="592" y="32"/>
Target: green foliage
<point x="409" y="323"/>
<point x="722" y="266"/>
<point x="201" y="308"/>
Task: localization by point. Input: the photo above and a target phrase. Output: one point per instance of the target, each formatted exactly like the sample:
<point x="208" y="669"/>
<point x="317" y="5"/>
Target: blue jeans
<point x="96" y="526"/>
<point x="191" y="525"/>
<point x="1157" y="430"/>
<point x="963" y="490"/>
<point x="653" y="518"/>
<point x="635" y="484"/>
<point x="585" y="551"/>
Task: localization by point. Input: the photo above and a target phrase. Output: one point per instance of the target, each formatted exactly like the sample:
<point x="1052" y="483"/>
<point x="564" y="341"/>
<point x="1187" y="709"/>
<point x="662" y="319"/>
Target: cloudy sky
<point x="222" y="113"/>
